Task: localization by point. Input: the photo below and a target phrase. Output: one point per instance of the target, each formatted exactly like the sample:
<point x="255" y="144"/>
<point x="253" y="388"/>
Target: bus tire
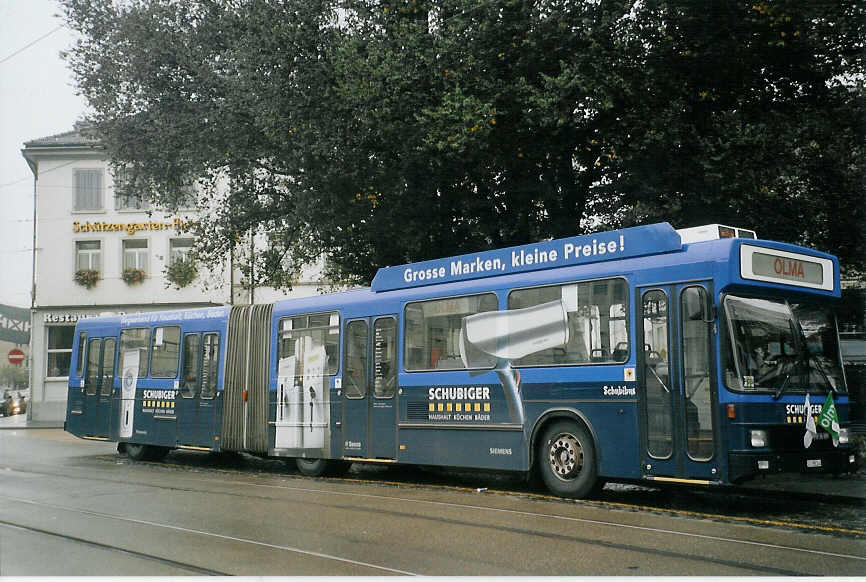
<point x="312" y="467"/>
<point x="566" y="460"/>
<point x="137" y="452"/>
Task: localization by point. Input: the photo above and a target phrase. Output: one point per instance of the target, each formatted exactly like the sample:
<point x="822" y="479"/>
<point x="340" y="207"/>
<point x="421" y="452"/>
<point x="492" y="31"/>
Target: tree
<point x="382" y="132"/>
<point x="16" y="378"/>
<point x="753" y="116"/>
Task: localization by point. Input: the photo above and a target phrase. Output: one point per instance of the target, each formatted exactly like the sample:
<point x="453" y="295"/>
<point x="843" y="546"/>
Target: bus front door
<point x="676" y="383"/>
<point x="369" y="386"/>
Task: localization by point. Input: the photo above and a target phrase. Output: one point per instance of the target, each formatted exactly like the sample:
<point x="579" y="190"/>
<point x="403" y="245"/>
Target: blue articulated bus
<point x="643" y="354"/>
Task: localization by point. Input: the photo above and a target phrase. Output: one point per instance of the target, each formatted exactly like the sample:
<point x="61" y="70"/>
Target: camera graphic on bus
<point x="501" y="337"/>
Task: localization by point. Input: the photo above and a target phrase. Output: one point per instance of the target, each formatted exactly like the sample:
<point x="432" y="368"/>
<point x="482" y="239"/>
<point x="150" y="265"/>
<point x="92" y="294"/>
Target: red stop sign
<point x="16" y="356"/>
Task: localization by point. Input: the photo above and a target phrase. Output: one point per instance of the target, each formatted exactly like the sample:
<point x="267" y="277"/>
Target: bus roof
<point x="638" y="241"/>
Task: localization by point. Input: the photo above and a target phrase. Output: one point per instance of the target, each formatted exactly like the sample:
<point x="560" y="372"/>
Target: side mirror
<point x="696" y="305"/>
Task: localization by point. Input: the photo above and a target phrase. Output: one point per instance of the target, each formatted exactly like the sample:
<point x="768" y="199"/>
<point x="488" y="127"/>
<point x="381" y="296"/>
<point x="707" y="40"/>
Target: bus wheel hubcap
<point x="566" y="456"/>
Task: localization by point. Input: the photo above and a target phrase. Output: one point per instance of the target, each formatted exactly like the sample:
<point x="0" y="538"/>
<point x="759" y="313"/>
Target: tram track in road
<point x="142" y="522"/>
<point x="608" y="545"/>
<point x="726" y="496"/>
<point x="112" y="548"/>
<point x="213" y="485"/>
<point x="767" y="508"/>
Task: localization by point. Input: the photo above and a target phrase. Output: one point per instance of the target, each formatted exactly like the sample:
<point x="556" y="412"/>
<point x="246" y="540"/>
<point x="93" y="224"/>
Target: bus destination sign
<point x="763" y="264"/>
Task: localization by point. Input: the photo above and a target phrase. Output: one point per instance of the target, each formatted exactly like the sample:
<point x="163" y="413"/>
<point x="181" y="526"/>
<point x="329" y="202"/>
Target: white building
<point x="97" y="252"/>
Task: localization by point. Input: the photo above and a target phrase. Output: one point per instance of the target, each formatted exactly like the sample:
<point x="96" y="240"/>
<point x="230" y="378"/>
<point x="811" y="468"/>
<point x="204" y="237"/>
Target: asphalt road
<point x="72" y="507"/>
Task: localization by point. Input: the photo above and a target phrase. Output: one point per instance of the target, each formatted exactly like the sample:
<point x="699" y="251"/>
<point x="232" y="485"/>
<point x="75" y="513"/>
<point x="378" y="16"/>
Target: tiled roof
<point x="80" y="136"/>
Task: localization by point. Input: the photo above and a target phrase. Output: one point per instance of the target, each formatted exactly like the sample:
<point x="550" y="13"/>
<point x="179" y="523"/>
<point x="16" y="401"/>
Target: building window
<point x="87" y="254"/>
<point x="179" y="249"/>
<point x="187" y="198"/>
<point x="131" y="202"/>
<point x="59" y="350"/>
<point x="135" y="254"/>
<point x="88" y="190"/>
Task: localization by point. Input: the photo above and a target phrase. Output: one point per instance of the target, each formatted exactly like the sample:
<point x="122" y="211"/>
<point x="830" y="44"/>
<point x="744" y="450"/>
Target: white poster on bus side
<point x="289" y="405"/>
<point x="315" y="413"/>
<point x="128" y="384"/>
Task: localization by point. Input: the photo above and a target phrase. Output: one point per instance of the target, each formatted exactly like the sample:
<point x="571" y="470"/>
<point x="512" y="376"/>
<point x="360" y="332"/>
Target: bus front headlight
<point x="759" y="438"/>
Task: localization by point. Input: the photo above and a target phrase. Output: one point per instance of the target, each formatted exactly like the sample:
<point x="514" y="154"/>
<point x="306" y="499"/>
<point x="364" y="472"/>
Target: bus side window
<point x="385" y="357"/>
<point x="191" y="365"/>
<point x="82" y="345"/>
<point x="433" y="329"/>
<point x="597" y="322"/>
<point x="136" y="339"/>
<point x="355" y="365"/>
<point x="108" y="355"/>
<point x="166" y="351"/>
<point x="210" y="365"/>
<point x="91" y="383"/>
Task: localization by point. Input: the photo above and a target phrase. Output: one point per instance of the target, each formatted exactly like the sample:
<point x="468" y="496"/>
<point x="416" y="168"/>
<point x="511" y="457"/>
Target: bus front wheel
<point x="566" y="460"/>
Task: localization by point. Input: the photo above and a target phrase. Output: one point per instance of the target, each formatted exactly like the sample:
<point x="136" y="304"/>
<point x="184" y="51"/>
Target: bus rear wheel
<point x="319" y="467"/>
<point x="138" y="452"/>
<point x="312" y="467"/>
<point x="566" y="460"/>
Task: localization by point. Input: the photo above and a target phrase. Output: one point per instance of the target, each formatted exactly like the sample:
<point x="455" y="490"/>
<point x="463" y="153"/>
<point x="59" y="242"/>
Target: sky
<point x="37" y="99"/>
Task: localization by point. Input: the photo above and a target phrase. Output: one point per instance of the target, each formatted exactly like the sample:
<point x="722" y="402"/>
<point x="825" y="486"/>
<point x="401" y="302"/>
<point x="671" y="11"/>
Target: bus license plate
<point x="813" y="463"/>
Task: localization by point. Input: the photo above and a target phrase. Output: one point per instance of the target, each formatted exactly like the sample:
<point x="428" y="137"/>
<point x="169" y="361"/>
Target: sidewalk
<point x="20" y="421"/>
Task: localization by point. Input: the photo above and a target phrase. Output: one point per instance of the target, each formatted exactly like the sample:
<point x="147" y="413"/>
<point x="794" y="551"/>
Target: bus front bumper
<point x="743" y="466"/>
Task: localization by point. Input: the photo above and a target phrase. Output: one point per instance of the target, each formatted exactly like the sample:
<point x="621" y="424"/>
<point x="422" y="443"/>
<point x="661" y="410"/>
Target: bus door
<point x="369" y="387"/>
<point x="187" y="397"/>
<point x="676" y="382"/>
<point x="195" y="402"/>
<point x="206" y="417"/>
<point x="99" y="385"/>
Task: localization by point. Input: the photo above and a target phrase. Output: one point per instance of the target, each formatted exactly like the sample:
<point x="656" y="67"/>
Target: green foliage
<point x="86" y="277"/>
<point x="382" y="132"/>
<point x="132" y="276"/>
<point x="181" y="272"/>
<point x="14" y="377"/>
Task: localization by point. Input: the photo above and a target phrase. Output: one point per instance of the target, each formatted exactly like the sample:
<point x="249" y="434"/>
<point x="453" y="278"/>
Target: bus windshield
<point x="777" y="346"/>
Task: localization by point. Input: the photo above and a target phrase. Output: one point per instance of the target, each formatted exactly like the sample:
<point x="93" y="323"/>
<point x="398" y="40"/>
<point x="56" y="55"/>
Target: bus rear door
<point x="676" y="383"/>
<point x="99" y="386"/>
<point x="369" y="387"/>
<point x="196" y="403"/>
<point x="187" y="398"/>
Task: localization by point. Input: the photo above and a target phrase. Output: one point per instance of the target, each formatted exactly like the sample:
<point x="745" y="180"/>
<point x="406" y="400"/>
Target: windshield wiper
<point x="820" y="367"/>
<point x="787" y="379"/>
<point x="793" y="325"/>
<point x="804" y="355"/>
